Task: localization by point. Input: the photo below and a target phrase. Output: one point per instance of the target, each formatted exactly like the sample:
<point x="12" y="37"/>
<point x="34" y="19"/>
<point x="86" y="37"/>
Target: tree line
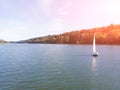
<point x="104" y="35"/>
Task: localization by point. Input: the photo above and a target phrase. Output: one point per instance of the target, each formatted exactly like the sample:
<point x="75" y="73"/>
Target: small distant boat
<point x="95" y="53"/>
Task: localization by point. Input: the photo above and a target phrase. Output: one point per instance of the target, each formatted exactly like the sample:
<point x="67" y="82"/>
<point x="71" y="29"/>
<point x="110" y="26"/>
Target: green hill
<point x="104" y="35"/>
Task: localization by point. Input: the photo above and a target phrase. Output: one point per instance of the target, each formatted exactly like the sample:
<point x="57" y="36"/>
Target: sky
<point x="24" y="19"/>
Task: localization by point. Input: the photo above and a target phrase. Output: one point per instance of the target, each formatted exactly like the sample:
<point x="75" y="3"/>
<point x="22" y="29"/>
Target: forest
<point x="104" y="35"/>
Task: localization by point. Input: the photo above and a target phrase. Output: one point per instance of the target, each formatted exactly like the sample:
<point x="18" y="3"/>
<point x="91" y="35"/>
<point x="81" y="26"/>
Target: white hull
<point x="95" y="54"/>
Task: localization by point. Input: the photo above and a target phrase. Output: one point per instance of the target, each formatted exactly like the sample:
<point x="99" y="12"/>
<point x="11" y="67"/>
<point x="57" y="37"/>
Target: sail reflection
<point x="94" y="80"/>
<point x="94" y="64"/>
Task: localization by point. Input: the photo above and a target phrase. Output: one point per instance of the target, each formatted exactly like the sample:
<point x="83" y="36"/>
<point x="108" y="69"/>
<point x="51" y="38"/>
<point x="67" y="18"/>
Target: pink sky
<point x="22" y="19"/>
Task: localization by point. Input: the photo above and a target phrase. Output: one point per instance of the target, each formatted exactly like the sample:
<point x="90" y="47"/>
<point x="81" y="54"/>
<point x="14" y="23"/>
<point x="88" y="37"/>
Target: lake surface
<point x="59" y="67"/>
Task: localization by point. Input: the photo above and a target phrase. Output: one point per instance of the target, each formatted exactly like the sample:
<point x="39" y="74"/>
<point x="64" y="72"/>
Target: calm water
<point x="59" y="67"/>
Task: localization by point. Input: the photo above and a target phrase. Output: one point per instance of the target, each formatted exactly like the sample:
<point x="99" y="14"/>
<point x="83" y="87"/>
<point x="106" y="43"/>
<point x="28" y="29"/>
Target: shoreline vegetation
<point x="2" y="41"/>
<point x="109" y="35"/>
<point x="104" y="35"/>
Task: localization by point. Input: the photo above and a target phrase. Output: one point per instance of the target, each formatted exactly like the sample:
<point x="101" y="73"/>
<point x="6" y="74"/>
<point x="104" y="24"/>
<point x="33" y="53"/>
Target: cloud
<point x="63" y="13"/>
<point x="45" y="6"/>
<point x="65" y="9"/>
<point x="68" y="4"/>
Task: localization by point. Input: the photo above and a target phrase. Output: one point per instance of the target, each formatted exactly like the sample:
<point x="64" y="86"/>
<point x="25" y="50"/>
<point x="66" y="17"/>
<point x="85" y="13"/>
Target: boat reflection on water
<point x="94" y="79"/>
<point x="94" y="64"/>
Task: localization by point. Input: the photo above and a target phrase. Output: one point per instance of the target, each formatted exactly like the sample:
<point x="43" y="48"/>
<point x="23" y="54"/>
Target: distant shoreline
<point x="56" y="43"/>
<point x="109" y="35"/>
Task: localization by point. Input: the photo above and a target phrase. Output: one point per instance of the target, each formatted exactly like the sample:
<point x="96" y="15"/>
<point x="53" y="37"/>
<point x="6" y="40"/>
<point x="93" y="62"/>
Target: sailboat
<point x="95" y="53"/>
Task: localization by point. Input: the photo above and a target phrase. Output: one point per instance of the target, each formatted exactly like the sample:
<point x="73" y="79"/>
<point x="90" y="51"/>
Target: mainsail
<point x="95" y="53"/>
<point x="94" y="46"/>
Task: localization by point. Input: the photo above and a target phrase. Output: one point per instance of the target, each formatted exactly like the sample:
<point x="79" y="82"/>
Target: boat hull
<point x="95" y="54"/>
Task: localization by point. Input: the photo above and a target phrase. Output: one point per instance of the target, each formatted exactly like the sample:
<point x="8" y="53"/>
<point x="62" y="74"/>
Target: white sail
<point x="94" y="46"/>
<point x="95" y="53"/>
